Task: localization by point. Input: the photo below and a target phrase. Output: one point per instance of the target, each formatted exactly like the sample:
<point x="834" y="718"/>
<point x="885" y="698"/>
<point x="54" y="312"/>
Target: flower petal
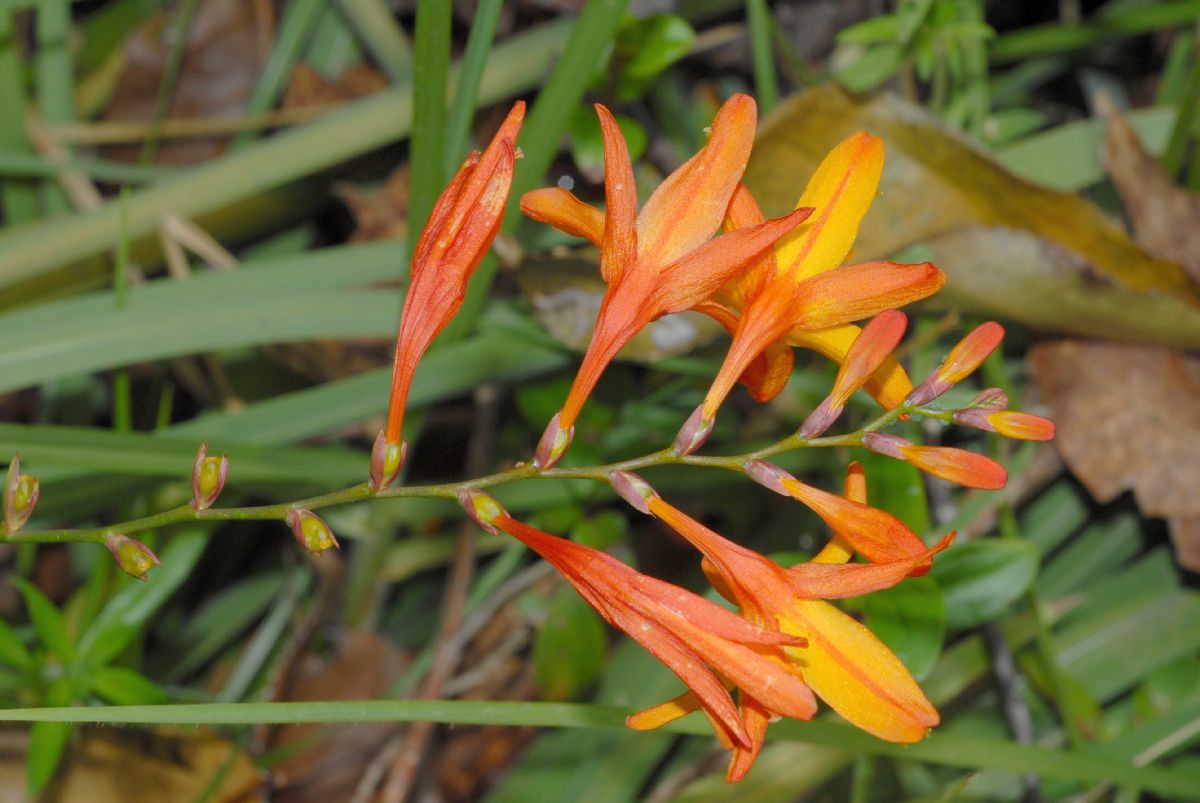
<point x="838" y="550"/>
<point x="565" y="212"/>
<point x="841" y="190"/>
<point x="768" y="373"/>
<point x="957" y="465"/>
<point x="688" y="206"/>
<point x="619" y="249"/>
<point x="858" y="676"/>
<point x="658" y="715"/>
<point x="874" y="344"/>
<point x="841" y="580"/>
<point x="854" y="292"/>
<point x="743" y="213"/>
<point x="756" y="718"/>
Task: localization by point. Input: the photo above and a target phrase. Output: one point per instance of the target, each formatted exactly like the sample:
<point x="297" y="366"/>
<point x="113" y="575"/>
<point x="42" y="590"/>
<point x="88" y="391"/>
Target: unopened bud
<point x="554" y="443"/>
<point x="311" y="531"/>
<point x="885" y="444"/>
<point x="991" y="399"/>
<point x="21" y="492"/>
<point x="769" y="475"/>
<point x="1009" y="423"/>
<point x="386" y="461"/>
<point x="957" y="465"/>
<point x="820" y="419"/>
<point x="633" y="489"/>
<point x="482" y="508"/>
<point x="132" y="557"/>
<point x="962" y="361"/>
<point x="693" y="433"/>
<point x="208" y="478"/>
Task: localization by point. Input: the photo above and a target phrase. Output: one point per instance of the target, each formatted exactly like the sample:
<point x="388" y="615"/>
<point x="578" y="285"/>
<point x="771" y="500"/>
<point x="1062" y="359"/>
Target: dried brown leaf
<point x="1128" y="418"/>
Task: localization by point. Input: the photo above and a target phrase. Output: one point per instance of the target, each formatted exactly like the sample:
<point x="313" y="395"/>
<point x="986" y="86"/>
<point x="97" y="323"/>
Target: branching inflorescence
<point x="773" y="284"/>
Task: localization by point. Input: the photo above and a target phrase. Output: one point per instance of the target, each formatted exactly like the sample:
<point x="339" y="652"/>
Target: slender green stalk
<point x="17" y="196"/>
<point x="1040" y="40"/>
<point x="55" y="83"/>
<point x="766" y="84"/>
<point x="466" y="94"/>
<point x="17" y="164"/>
<point x="1172" y="159"/>
<point x="122" y="395"/>
<point x="29" y="251"/>
<point x="299" y="20"/>
<point x="375" y="24"/>
<point x="426" y="145"/>
<point x="165" y="93"/>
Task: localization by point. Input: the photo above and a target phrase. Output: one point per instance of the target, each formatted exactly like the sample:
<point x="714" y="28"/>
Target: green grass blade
<point x="479" y="44"/>
<point x="518" y="64"/>
<point x="299" y="20"/>
<point x="374" y="23"/>
<point x="55" y="83"/>
<point x="951" y="750"/>
<point x="14" y="163"/>
<point x="1172" y="158"/>
<point x="766" y="84"/>
<point x="430" y="65"/>
<point x="18" y="196"/>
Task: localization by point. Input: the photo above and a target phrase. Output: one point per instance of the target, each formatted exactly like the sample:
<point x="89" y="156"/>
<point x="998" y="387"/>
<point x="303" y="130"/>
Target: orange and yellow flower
<point x="661" y="260"/>
<point x="697" y="640"/>
<point x="843" y="662"/>
<point x="793" y="296"/>
<point x="458" y="234"/>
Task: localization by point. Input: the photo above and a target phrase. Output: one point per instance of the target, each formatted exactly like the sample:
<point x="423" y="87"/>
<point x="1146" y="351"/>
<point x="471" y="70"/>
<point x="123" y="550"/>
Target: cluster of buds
<point x="701" y="242"/>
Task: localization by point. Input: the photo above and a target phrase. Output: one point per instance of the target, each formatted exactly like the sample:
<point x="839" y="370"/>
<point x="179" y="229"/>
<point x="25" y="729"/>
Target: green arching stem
<point x="523" y="471"/>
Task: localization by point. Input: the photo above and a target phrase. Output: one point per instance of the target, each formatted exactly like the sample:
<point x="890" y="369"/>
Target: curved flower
<point x="460" y="230"/>
<point x="794" y="297"/>
<point x="661" y="260"/>
<point x="843" y="662"/>
<point x="687" y="633"/>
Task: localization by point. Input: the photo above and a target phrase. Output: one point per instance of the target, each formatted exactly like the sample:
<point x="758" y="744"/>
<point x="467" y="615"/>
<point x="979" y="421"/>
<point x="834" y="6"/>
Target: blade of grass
<point x="766" y="84"/>
<point x="18" y="164"/>
<point x="55" y="83"/>
<point x="1172" y="158"/>
<point x="515" y="66"/>
<point x="333" y="48"/>
<point x="18" y="196"/>
<point x="466" y="93"/>
<point x="295" y="30"/>
<point x="431" y="60"/>
<point x="374" y="23"/>
<point x="591" y="36"/>
<point x="164" y="94"/>
<point x="957" y="750"/>
<point x="1040" y="40"/>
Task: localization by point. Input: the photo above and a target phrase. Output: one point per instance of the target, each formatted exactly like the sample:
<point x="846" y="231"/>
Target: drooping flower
<point x="460" y="230"/>
<point x="697" y="640"/>
<point x="661" y="260"/>
<point x="843" y="662"/>
<point x="795" y="297"/>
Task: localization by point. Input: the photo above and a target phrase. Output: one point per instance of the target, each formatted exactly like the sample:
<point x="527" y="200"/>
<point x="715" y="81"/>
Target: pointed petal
<point x="620" y="245"/>
<point x="841" y="191"/>
<point x="854" y="292"/>
<point x="565" y="212"/>
<point x="877" y="534"/>
<point x="768" y="373"/>
<point x="874" y="344"/>
<point x="970" y="352"/>
<point x="744" y="213"/>
<point x="756" y="718"/>
<point x="688" y="206"/>
<point x="888" y="386"/>
<point x="858" y="676"/>
<point x="838" y="550"/>
<point x="658" y="715"/>
<point x="699" y="273"/>
<point x="841" y="580"/>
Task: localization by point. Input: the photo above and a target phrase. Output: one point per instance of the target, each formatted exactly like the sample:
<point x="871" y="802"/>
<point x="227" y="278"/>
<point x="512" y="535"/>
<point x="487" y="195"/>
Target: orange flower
<point x="686" y="632"/>
<point x="843" y="662"/>
<point x="1009" y="423"/>
<point x="460" y="230"/>
<point x="661" y="260"/>
<point x="794" y="297"/>
<point x="961" y="362"/>
<point x="953" y="465"/>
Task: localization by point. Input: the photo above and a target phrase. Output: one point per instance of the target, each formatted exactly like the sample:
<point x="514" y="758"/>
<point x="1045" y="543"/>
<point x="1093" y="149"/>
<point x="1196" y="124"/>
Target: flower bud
<point x="311" y="531"/>
<point x="885" y="444"/>
<point x="21" y="492"/>
<point x="633" y="489"/>
<point x="133" y="557"/>
<point x="554" y="443"/>
<point x="208" y="478"/>
<point x="769" y="475"/>
<point x="959" y="466"/>
<point x="694" y="432"/>
<point x="821" y="419"/>
<point x="991" y="399"/>
<point x="386" y="461"/>
<point x="1009" y="423"/>
<point x="962" y="361"/>
<point x="482" y="508"/>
